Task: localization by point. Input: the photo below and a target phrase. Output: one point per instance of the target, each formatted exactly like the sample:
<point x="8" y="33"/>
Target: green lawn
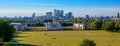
<point x="67" y="38"/>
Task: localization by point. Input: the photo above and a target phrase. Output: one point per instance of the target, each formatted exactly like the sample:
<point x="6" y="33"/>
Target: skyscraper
<point x="61" y="13"/>
<point x="87" y="17"/>
<point x="118" y="15"/>
<point x="69" y="15"/>
<point x="58" y="13"/>
<point x="49" y="14"/>
<point x="33" y="16"/>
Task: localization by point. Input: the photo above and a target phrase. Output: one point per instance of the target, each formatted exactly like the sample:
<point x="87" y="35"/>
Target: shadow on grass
<point x="113" y="31"/>
<point x="17" y="36"/>
<point x="20" y="45"/>
<point x="15" y="42"/>
<point x="20" y="32"/>
<point x="20" y="36"/>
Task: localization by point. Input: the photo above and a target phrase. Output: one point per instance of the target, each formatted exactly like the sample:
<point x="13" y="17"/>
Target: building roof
<point x="16" y="23"/>
<point x="79" y="23"/>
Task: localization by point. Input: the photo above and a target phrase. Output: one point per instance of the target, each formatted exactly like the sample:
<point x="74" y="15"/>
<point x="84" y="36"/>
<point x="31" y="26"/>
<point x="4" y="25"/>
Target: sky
<point x="11" y="8"/>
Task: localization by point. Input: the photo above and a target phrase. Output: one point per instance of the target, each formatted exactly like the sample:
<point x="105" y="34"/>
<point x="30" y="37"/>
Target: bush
<point x="87" y="42"/>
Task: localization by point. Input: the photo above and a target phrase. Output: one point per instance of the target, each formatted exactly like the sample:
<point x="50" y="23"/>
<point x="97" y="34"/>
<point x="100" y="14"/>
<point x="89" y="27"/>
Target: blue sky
<point x="78" y="7"/>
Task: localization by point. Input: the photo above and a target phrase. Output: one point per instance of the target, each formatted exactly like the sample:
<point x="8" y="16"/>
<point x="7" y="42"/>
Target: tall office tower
<point x="87" y="17"/>
<point x="49" y="14"/>
<point x="69" y="15"/>
<point x="55" y="12"/>
<point x="61" y="13"/>
<point x="118" y="15"/>
<point x="58" y="13"/>
<point x="33" y="16"/>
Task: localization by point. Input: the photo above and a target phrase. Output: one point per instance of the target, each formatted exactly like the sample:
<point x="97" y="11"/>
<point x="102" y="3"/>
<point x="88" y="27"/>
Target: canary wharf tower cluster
<point x="63" y="10"/>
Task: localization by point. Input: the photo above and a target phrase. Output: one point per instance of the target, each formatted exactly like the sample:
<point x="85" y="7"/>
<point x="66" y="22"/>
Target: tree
<point x="85" y="21"/>
<point x="110" y="26"/>
<point x="117" y="26"/>
<point x="76" y="21"/>
<point x="66" y="24"/>
<point x="96" y="25"/>
<point x="6" y="31"/>
<point x="17" y="21"/>
<point x="87" y="42"/>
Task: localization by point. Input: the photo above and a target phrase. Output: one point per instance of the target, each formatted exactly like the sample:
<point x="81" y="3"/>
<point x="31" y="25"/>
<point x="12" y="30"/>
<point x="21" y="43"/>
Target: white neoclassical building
<point x="54" y="25"/>
<point x="20" y="26"/>
<point x="81" y="26"/>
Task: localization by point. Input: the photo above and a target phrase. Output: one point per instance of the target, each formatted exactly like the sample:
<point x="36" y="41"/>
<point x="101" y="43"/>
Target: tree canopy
<point x="96" y="25"/>
<point x="109" y="26"/>
<point x="87" y="42"/>
<point x="6" y="31"/>
<point x="117" y="26"/>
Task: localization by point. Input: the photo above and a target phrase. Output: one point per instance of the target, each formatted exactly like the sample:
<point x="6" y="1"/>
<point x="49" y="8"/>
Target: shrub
<point x="87" y="42"/>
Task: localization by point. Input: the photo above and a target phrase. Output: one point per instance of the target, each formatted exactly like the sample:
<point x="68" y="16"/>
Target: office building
<point x="33" y="16"/>
<point x="48" y="14"/>
<point x="58" y="13"/>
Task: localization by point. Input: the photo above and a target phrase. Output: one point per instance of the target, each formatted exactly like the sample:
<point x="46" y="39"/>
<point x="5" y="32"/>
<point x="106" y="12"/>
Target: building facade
<point x="69" y="15"/>
<point x="49" y="15"/>
<point x="53" y="26"/>
<point x="20" y="26"/>
<point x="81" y="26"/>
<point x="58" y="13"/>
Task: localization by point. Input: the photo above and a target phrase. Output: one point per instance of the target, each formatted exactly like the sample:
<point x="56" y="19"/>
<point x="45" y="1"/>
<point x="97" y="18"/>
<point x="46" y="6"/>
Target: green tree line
<point x="100" y="25"/>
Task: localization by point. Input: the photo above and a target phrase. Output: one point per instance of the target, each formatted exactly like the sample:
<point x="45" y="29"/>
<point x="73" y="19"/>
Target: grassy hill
<point x="67" y="38"/>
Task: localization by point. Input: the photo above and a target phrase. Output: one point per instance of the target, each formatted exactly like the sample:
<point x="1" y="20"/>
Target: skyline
<point x="78" y="7"/>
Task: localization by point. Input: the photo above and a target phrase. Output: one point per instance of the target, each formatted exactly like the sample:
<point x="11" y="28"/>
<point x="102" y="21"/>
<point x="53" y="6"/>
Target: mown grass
<point x="67" y="38"/>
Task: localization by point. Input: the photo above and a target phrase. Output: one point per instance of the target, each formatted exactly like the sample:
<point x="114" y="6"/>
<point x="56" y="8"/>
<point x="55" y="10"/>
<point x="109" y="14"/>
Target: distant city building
<point x="49" y="14"/>
<point x="81" y="26"/>
<point x="118" y="15"/>
<point x="87" y="17"/>
<point x="58" y="13"/>
<point x="69" y="15"/>
<point x="15" y="16"/>
<point x="33" y="16"/>
<point x="116" y="19"/>
<point x="61" y="13"/>
<point x="20" y="26"/>
<point x="20" y="17"/>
